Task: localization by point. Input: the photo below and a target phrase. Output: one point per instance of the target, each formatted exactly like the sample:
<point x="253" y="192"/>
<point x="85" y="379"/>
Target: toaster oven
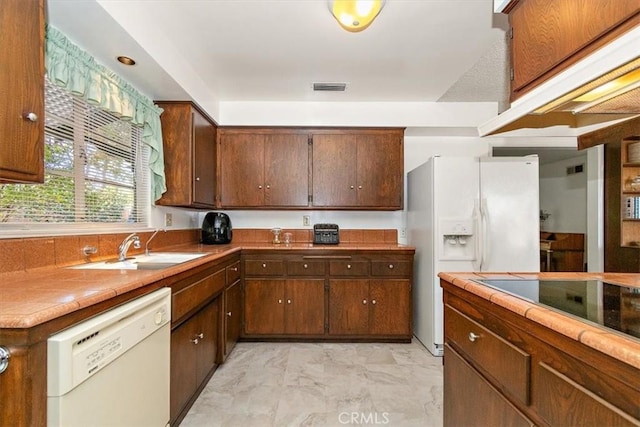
<point x="326" y="234"/>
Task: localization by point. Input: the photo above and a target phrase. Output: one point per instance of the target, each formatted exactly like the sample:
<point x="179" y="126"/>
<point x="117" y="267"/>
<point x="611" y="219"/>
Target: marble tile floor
<point x="322" y="384"/>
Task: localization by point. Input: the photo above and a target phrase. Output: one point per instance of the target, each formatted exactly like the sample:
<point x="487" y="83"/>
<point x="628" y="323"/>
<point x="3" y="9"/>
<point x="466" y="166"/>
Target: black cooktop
<point x="606" y="304"/>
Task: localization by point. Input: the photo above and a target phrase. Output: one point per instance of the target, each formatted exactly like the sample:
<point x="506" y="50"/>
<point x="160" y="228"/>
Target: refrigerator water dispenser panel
<point x="457" y="239"/>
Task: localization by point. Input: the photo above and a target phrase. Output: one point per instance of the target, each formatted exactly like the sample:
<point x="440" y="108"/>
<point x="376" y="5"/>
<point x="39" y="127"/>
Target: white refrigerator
<point x="469" y="214"/>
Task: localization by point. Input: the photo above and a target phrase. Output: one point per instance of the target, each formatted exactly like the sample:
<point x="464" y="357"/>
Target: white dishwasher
<point x="113" y="369"/>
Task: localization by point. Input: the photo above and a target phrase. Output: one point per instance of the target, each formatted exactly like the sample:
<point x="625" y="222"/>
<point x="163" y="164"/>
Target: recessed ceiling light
<point x="126" y="60"/>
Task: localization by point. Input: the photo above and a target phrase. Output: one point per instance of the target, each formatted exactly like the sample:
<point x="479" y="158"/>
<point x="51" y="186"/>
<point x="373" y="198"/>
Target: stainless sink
<point x="153" y="261"/>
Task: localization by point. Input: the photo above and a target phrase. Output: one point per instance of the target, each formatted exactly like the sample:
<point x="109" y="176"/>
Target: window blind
<point x="95" y="169"/>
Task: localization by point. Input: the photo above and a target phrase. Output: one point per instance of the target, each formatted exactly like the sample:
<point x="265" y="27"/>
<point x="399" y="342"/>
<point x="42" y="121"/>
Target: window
<point x="95" y="171"/>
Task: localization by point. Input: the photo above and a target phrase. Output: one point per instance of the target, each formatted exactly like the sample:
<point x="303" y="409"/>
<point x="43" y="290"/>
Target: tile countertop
<point x="614" y="344"/>
<point x="32" y="297"/>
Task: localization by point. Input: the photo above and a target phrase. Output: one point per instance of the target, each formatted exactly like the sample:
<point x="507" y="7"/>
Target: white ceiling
<point x="273" y="50"/>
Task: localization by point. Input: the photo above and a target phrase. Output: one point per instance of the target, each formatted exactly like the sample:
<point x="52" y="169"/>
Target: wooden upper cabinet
<point x="358" y="169"/>
<point x="549" y="36"/>
<point x="22" y="91"/>
<point x="264" y="169"/>
<point x="189" y="140"/>
<point x="334" y="172"/>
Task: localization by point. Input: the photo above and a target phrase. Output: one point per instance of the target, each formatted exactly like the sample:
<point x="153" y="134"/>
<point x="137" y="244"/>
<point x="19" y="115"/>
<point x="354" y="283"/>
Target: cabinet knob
<point x="473" y="337"/>
<point x="264" y="265"/>
<point x="359" y="187"/>
<point x="305" y="266"/>
<point x="364" y="301"/>
<point x="197" y="178"/>
<point x="279" y="301"/>
<point x="348" y="266"/>
<point x="268" y="186"/>
<point x="5" y="354"/>
<point x="228" y="313"/>
<point x="288" y="301"/>
<point x="373" y="302"/>
<point x="351" y="187"/>
<point x="260" y="187"/>
<point x="200" y="335"/>
<point x="234" y="268"/>
<point x="391" y="266"/>
<point x="32" y="117"/>
<point x="195" y="341"/>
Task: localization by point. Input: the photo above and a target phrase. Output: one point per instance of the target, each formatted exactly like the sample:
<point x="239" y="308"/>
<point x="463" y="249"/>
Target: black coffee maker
<point x="216" y="229"/>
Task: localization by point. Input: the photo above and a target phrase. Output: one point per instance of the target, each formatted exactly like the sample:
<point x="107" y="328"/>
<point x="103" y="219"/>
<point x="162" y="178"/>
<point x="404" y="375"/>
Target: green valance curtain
<point x="70" y="67"/>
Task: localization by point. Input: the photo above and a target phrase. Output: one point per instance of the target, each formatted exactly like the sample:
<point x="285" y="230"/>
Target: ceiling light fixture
<point x="355" y="15"/>
<point x="126" y="60"/>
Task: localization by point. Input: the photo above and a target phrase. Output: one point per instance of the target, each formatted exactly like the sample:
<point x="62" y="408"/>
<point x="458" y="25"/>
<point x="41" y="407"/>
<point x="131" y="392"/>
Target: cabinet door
<point x="232" y="316"/>
<point x="183" y="361"/>
<point x="550" y="35"/>
<point x="241" y="170"/>
<point x="379" y="170"/>
<point x="264" y="306"/>
<point x="471" y="401"/>
<point x="563" y="402"/>
<point x="204" y="150"/>
<point x="348" y="307"/>
<point x="390" y="307"/>
<point x="286" y="170"/>
<point x="207" y="336"/>
<point x="304" y="309"/>
<point x="334" y="171"/>
<point x="22" y="91"/>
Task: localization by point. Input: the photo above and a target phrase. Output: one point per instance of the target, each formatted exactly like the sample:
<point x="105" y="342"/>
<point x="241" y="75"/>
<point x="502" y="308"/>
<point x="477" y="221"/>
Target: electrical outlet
<point x="306" y="220"/>
<point x="168" y="220"/>
<point x="403" y="233"/>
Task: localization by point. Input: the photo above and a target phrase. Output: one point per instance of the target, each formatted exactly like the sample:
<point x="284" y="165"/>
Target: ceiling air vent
<point x="329" y="87"/>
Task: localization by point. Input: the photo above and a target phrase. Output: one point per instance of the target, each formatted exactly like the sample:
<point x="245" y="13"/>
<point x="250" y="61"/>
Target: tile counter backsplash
<point x="37" y="252"/>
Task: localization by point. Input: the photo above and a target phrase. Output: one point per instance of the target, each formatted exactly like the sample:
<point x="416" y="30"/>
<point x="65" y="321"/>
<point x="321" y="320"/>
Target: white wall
<point x="564" y="196"/>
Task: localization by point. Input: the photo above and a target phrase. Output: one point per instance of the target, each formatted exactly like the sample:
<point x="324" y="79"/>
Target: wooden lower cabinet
<point x="328" y="295"/>
<point x="232" y="318"/>
<point x="194" y="346"/>
<point x="478" y="403"/>
<point x="200" y="334"/>
<point x="293" y="306"/>
<point x="369" y="307"/>
<point x="502" y="369"/>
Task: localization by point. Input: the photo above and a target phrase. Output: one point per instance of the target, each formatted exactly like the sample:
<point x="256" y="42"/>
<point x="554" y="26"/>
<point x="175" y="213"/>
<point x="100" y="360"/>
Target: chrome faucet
<point x="124" y="246"/>
<point x="146" y="246"/>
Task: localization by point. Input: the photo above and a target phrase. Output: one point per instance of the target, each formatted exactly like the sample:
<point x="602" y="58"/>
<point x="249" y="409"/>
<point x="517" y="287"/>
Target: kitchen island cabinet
<point x="358" y="169"/>
<point x="189" y="143"/>
<point x="534" y="365"/>
<point x="22" y="91"/>
<point x="263" y="168"/>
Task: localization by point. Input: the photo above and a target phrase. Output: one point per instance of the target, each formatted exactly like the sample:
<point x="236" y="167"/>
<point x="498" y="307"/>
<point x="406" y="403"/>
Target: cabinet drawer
<point x="305" y="268"/>
<point x="266" y="267"/>
<point x="349" y="268"/>
<point x="233" y="272"/>
<point x="196" y="294"/>
<point x="504" y="362"/>
<point x="391" y="268"/>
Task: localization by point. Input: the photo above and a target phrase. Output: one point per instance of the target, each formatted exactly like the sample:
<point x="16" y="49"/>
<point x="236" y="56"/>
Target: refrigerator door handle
<point x="484" y="243"/>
